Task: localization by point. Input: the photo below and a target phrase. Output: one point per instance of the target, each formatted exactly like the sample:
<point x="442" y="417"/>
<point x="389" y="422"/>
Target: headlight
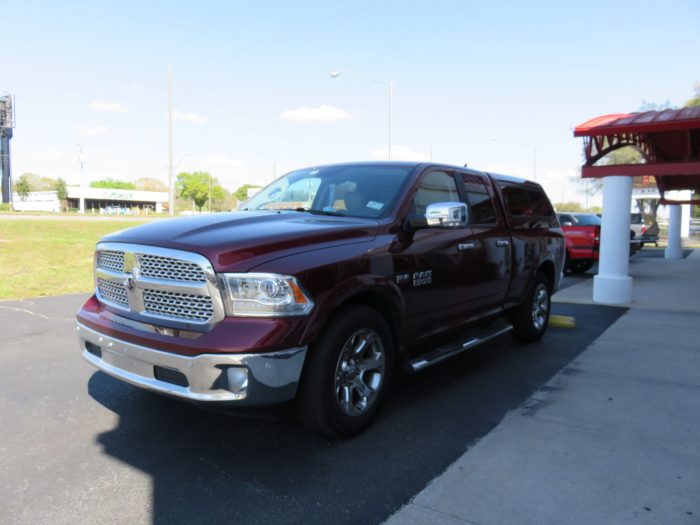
<point x="263" y="295"/>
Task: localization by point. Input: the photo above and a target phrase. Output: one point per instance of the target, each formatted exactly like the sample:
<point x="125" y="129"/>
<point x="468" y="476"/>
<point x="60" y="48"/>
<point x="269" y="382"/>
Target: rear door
<point x="531" y="220"/>
<point x="487" y="254"/>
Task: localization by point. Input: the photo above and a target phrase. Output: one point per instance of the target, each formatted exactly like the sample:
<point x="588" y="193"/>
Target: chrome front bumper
<point x="239" y="379"/>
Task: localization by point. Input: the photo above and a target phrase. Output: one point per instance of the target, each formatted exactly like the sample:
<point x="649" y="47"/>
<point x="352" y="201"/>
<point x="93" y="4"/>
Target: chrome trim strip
<point x="271" y="377"/>
<point x="136" y="283"/>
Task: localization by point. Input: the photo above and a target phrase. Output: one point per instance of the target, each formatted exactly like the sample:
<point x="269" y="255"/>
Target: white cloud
<point x="190" y="117"/>
<point x="108" y="106"/>
<point x="323" y="113"/>
<point x="224" y="162"/>
<point x="92" y="131"/>
<point x="399" y="153"/>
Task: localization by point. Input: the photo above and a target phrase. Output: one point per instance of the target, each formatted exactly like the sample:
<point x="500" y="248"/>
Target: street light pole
<point x="534" y="163"/>
<point x="171" y="186"/>
<point x="391" y="112"/>
<point x="534" y="155"/>
<point x="390" y="86"/>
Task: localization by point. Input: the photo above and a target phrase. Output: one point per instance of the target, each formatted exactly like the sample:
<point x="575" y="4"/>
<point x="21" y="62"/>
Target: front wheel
<point x="531" y="318"/>
<point x="347" y="373"/>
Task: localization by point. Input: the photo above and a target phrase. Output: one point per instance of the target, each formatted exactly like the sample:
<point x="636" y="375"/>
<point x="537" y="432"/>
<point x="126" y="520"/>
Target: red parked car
<point x="582" y="234"/>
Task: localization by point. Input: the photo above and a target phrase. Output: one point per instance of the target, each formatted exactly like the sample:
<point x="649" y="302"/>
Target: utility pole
<point x="81" y="160"/>
<point x="171" y="185"/>
<point x="7" y="122"/>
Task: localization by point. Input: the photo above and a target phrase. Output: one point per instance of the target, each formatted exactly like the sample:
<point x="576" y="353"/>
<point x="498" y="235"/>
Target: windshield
<point x="354" y="190"/>
<point x="587" y="220"/>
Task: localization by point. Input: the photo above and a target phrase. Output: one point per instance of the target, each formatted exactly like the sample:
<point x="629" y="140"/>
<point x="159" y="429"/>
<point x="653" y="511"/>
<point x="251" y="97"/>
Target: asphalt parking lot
<point x="82" y="447"/>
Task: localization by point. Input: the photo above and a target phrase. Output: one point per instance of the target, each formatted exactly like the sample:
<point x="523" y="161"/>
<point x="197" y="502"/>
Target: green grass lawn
<point x="49" y="257"/>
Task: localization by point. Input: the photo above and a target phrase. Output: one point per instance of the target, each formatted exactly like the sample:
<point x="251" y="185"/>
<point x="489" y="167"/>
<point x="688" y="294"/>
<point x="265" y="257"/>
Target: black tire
<point x="580" y="266"/>
<point x="529" y="326"/>
<point x="331" y="371"/>
<point x="567" y="263"/>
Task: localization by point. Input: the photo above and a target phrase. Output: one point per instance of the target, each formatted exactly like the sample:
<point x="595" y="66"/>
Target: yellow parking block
<point x="562" y="321"/>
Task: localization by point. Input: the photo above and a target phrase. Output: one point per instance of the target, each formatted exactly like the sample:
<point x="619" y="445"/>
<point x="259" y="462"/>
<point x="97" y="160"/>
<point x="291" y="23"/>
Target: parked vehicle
<point x="582" y="234"/>
<point x="323" y="284"/>
<point x="644" y="232"/>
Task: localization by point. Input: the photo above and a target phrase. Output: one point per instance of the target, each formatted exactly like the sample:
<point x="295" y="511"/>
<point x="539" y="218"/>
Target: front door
<point x="432" y="267"/>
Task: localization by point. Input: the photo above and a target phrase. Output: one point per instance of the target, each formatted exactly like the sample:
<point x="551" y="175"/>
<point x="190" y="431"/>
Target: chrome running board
<point x="449" y="350"/>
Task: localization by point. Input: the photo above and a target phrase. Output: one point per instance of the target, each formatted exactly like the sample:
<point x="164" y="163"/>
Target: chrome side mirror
<point x="446" y="215"/>
<point x="567" y="223"/>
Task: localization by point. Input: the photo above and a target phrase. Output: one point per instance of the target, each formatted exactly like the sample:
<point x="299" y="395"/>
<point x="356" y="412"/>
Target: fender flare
<point x="353" y="288"/>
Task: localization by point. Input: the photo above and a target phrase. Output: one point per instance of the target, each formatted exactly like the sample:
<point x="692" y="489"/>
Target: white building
<point x="95" y="200"/>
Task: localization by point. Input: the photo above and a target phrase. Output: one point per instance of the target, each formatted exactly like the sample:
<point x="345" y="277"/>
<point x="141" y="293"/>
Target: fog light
<point x="237" y="380"/>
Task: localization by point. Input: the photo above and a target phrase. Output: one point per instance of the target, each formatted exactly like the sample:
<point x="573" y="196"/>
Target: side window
<point x="540" y="203"/>
<point x="566" y="218"/>
<point x="481" y="210"/>
<point x="516" y="200"/>
<point x="436" y="186"/>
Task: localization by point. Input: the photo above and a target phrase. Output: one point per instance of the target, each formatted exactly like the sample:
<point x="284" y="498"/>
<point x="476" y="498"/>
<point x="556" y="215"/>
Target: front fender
<point x="376" y="290"/>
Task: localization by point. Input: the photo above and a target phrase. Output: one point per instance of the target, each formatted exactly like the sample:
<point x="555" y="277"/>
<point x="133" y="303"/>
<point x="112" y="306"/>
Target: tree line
<point x="198" y="188"/>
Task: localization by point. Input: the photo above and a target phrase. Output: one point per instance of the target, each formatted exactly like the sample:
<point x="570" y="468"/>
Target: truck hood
<point x="239" y="241"/>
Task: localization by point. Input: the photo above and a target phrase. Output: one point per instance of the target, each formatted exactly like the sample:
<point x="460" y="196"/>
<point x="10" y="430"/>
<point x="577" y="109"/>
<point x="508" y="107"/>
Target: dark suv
<point x="321" y="285"/>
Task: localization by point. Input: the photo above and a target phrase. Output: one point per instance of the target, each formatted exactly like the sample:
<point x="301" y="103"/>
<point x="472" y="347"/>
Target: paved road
<point x="78" y="446"/>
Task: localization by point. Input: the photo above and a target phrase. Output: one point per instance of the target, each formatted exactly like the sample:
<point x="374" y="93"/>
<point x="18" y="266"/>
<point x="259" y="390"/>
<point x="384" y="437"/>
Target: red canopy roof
<point x="648" y="121"/>
<point x="669" y="140"/>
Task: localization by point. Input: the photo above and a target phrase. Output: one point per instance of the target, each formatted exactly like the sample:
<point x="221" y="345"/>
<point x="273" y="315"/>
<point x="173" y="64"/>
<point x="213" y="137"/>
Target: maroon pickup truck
<point x="321" y="285"/>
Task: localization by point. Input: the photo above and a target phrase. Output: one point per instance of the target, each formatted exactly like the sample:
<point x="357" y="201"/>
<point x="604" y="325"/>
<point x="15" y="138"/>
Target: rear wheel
<point x="530" y="320"/>
<point x="347" y="373"/>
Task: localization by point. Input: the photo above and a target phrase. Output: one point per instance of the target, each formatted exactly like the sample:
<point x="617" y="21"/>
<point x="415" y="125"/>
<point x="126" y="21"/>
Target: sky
<point x="497" y="85"/>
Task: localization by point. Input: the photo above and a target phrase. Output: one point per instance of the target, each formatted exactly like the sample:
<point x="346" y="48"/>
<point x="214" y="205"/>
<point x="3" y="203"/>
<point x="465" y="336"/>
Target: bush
<point x="5" y="206"/>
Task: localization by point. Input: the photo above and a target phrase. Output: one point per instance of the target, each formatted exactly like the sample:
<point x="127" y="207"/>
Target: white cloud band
<point x="323" y="113"/>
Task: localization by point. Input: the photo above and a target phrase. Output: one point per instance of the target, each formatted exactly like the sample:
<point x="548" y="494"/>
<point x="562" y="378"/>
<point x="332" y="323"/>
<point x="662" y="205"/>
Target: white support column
<point x="613" y="285"/>
<point x="685" y="213"/>
<point x="685" y="220"/>
<point x="675" y="248"/>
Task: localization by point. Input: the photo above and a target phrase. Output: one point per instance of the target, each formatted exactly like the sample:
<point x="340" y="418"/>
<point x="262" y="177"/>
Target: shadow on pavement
<point x="210" y="467"/>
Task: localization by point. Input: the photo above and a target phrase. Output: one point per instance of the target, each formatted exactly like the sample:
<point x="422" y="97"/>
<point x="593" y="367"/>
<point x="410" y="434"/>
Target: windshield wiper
<point x="318" y="212"/>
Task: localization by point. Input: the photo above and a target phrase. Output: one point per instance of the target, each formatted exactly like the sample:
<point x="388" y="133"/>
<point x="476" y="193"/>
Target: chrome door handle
<point x="502" y="243"/>
<point x="465" y="246"/>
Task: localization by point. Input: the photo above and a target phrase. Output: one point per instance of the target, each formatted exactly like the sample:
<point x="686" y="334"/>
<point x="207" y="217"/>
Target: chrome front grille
<point x="111" y="260"/>
<point x="171" y="269"/>
<point x="112" y="292"/>
<point x="158" y="285"/>
<point x="178" y="305"/>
